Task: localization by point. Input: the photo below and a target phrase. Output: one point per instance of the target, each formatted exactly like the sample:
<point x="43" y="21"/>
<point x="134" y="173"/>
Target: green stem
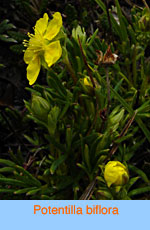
<point x="70" y="70"/>
<point x="134" y="66"/>
<point x="146" y="5"/>
<point x="108" y="90"/>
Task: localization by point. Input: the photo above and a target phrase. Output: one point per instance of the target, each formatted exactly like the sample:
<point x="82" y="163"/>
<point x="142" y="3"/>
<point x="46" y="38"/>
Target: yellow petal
<point x="54" y="26"/>
<point x="28" y="56"/>
<point x="33" y="70"/>
<point x="41" y="25"/>
<point x="52" y="53"/>
<point x="116" y="173"/>
<point x="110" y="177"/>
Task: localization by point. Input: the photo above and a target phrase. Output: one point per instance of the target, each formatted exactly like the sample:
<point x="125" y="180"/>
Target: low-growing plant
<point x="89" y="117"/>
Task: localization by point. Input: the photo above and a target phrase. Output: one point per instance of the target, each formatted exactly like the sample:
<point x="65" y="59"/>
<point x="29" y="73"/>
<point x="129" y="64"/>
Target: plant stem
<point x="134" y="67"/>
<point x="94" y="86"/>
<point x="108" y="16"/>
<point x="123" y="132"/>
<point x="86" y="64"/>
<point x="108" y="90"/>
<point x="146" y="5"/>
<point x="70" y="70"/>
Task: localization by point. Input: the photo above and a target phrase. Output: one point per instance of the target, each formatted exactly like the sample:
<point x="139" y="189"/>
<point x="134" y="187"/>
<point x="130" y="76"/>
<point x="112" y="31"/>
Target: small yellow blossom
<point x="116" y="173"/>
<point x="87" y="82"/>
<point x="43" y="46"/>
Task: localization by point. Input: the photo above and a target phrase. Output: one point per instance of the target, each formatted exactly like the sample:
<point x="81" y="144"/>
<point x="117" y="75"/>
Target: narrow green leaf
<point x="7" y="162"/>
<point x="57" y="163"/>
<point x="139" y="191"/>
<point x="5" y="190"/>
<point x="122" y="24"/>
<point x="119" y="140"/>
<point x="34" y="191"/>
<point x="13" y="182"/>
<point x="52" y="119"/>
<point x="101" y="4"/>
<point x="86" y="156"/>
<point x="92" y="38"/>
<point x="24" y="190"/>
<point x="131" y="111"/>
<point x="139" y="172"/>
<point x="6" y="169"/>
<point x="105" y="194"/>
<point x="45" y="197"/>
<point x="65" y="109"/>
<point x="29" y="175"/>
<point x="131" y="182"/>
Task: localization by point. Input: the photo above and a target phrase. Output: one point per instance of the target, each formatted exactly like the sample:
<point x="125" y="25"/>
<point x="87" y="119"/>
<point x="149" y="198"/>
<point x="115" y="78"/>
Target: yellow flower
<point x="43" y="46"/>
<point x="116" y="173"/>
<point x="87" y="81"/>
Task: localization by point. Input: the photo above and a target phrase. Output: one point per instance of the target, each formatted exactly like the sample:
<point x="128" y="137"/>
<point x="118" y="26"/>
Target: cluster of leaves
<point x="78" y="127"/>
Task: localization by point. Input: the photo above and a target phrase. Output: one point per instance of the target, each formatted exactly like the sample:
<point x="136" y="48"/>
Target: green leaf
<point x="145" y="107"/>
<point x="139" y="172"/>
<point x="24" y="190"/>
<point x="64" y="111"/>
<point x="7" y="162"/>
<point x="87" y="156"/>
<point x="82" y="166"/>
<point x="102" y="5"/>
<point x="131" y="182"/>
<point x="17" y="35"/>
<point x="5" y="26"/>
<point x="41" y="123"/>
<point x="45" y="197"/>
<point x="122" y="101"/>
<point x="131" y="111"/>
<point x="18" y="48"/>
<point x="119" y="140"/>
<point x="139" y="191"/>
<point x="13" y="182"/>
<point x="105" y="194"/>
<point x="29" y="175"/>
<point x="31" y="140"/>
<point x="122" y="24"/>
<point x="57" y="163"/>
<point x="116" y="27"/>
<point x="5" y="190"/>
<point x="89" y="43"/>
<point x="6" y="169"/>
<point x="57" y="145"/>
<point x="52" y="120"/>
<point x="68" y="137"/>
<point x="5" y="38"/>
<point x="34" y="191"/>
<point x="56" y="83"/>
<point x="117" y="117"/>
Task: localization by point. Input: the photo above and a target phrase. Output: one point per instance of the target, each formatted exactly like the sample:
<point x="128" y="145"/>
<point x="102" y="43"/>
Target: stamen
<point x="30" y="35"/>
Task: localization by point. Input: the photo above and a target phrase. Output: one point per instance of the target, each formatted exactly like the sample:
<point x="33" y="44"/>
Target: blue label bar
<point x="70" y="215"/>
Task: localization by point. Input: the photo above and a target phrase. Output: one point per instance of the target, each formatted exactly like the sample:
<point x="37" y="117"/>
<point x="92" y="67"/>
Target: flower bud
<point x="144" y="22"/>
<point x="87" y="85"/>
<point x="116" y="173"/>
<point x="40" y="107"/>
<point x="79" y="32"/>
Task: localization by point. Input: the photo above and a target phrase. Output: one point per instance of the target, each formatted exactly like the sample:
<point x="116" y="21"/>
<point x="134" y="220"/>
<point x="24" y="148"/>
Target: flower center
<point x="36" y="43"/>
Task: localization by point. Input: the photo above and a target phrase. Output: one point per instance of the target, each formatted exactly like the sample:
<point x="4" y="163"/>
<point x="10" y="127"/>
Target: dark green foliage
<point x="69" y="130"/>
